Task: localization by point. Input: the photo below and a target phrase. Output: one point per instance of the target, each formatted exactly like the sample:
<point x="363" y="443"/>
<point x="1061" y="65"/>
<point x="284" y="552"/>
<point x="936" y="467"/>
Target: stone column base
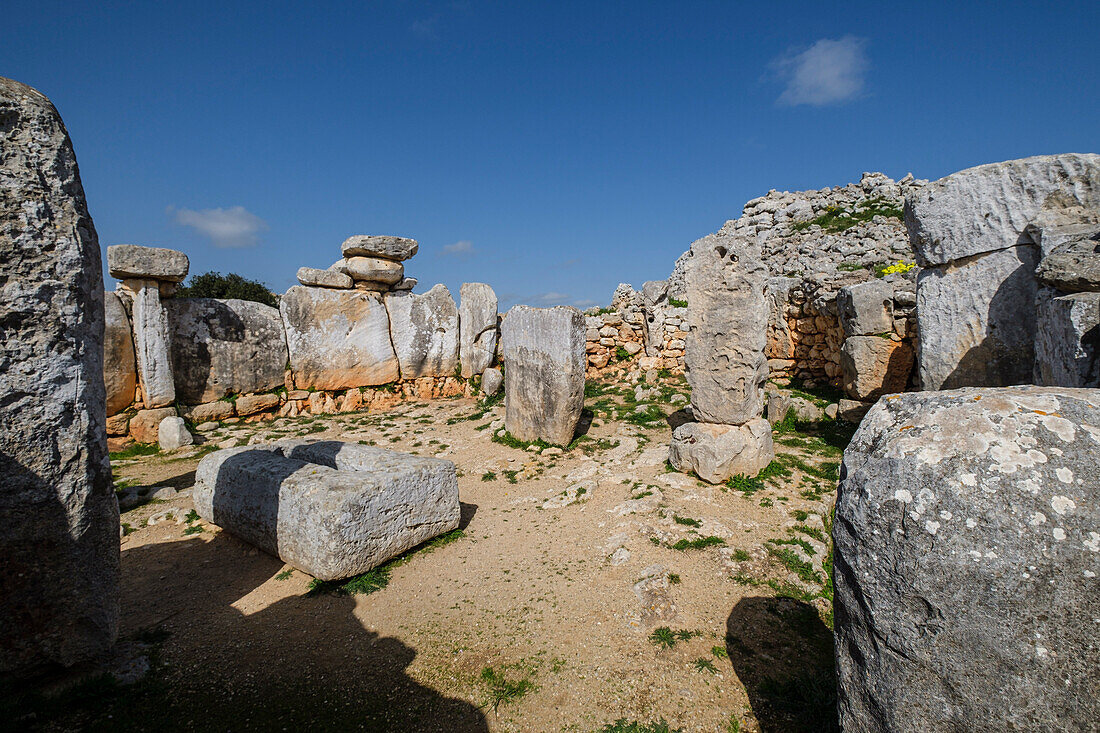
<point x="716" y="452"/>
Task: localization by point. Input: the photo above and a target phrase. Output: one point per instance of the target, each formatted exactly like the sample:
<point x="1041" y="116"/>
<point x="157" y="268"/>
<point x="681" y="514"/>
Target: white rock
<point x="478" y="321"/>
<point x="425" y="333"/>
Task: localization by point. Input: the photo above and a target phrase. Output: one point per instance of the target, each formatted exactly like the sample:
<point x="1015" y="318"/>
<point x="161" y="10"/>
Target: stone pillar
<point x="59" y="526"/>
<point x="725" y="362"/>
<point x="1067" y="343"/>
<point x="477" y="320"/>
<point x="543" y="372"/>
<point x="967" y="561"/>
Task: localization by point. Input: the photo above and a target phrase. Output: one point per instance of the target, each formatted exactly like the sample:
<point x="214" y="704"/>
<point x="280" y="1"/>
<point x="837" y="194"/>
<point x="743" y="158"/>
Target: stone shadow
<point x="783" y="655"/>
<point x="680" y="417"/>
<point x="584" y="424"/>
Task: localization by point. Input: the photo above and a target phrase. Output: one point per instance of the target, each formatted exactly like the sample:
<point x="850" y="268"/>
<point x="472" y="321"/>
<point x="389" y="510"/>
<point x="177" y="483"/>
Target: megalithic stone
<point x="151" y="343"/>
<point x="478" y="326"/>
<point x="59" y="550"/>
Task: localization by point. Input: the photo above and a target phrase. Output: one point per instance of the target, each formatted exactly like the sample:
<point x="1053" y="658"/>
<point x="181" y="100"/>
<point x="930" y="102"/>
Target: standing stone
<point x="424" y="330"/>
<point x="478" y="323"/>
<point x="874" y="366"/>
<point x="131" y="261"/>
<point x="119" y="368"/>
<point x="59" y="589"/>
<point x="544" y="372"/>
<point x="1067" y="339"/>
<point x="977" y="320"/>
<point x="151" y="342"/>
<point x="375" y="245"/>
<point x="724" y="358"/>
<point x="337" y="339"/>
<point x="223" y="347"/>
<point x="967" y="557"/>
<point x="780" y="341"/>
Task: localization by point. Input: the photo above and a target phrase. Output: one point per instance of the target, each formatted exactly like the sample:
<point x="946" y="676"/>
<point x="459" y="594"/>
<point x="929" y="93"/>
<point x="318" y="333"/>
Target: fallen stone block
<point x="1074" y="266"/>
<point x="145" y="424"/>
<point x="172" y="434"/>
<point x="330" y="509"/>
<point x="131" y="261"/>
<point x="491" y="381"/>
<point x="544" y="361"/>
<point x="715" y="452"/>
<point x="966" y="561"/>
<point x="250" y="404"/>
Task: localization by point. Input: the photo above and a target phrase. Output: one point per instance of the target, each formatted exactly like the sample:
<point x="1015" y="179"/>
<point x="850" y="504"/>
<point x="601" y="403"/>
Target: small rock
<point x="172" y="434"/>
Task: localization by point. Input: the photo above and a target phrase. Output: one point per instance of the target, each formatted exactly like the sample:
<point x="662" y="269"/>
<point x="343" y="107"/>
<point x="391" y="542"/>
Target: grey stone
<point x="131" y="261"/>
<point x="852" y="410"/>
<point x="1067" y="339"/>
<point x="59" y="602"/>
<point x="253" y="403"/>
<point x="151" y="345"/>
<point x="172" y="434"/>
<point x="987" y="208"/>
<point x="337" y="339"/>
<point x="874" y="366"/>
<point x="867" y="308"/>
<point x="119" y="367"/>
<point x="372" y="270"/>
<point x="777" y="406"/>
<point x="478" y="321"/>
<point x="407" y="283"/>
<point x="1074" y="266"/>
<point x="714" y="453"/>
<point x="374" y="245"/>
<point x="222" y="347"/>
<point x="491" y="381"/>
<point x="966" y="563"/>
<point x="724" y="360"/>
<point x="324" y="278"/>
<point x="424" y="331"/>
<point x="145" y="424"/>
<point x="976" y="321"/>
<point x="544" y="363"/>
<point x="330" y="509"/>
<point x="209" y="411"/>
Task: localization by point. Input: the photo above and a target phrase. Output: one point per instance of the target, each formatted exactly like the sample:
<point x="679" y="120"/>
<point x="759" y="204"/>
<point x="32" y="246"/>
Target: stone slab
<point x="478" y="325"/>
<point x="132" y="261"/>
<point x="425" y="332"/>
<point x="119" y="365"/>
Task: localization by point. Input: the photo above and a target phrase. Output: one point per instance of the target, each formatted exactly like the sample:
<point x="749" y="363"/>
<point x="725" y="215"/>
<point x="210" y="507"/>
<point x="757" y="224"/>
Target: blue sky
<point x="552" y="150"/>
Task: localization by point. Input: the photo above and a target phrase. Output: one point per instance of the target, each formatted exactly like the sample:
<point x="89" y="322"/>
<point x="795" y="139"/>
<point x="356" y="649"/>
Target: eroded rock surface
<point x="131" y="261"/>
<point x="478" y="321"/>
<point x="424" y="331"/>
<point x="119" y="367"/>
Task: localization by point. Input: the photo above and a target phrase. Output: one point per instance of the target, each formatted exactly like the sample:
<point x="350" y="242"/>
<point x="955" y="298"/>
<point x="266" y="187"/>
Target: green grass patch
<point x="136" y="450"/>
<point x="698" y="543"/>
<point x="687" y="521"/>
<point x="285" y="575"/>
<point x="623" y="726"/>
<point x="677" y="303"/>
<point x="489" y="476"/>
<point x="838" y="219"/>
<point x="502" y="690"/>
<point x="702" y="664"/>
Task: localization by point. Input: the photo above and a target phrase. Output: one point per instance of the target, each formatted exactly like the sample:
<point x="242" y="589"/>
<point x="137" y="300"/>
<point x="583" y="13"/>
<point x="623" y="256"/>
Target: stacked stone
<point x="725" y="362"/>
<point x="370" y="262"/>
<point x="876" y="358"/>
<point x="638" y="322"/>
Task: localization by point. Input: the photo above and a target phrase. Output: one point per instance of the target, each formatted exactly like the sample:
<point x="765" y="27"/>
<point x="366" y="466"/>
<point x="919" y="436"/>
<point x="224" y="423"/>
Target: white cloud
<point x="828" y="72"/>
<point x="228" y="228"/>
<point x="549" y="298"/>
<point x="461" y="247"/>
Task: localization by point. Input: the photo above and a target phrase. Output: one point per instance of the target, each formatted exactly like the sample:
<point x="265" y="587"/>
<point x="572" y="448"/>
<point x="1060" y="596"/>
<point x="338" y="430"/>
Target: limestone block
<point x="966" y="563"/>
<point x="145" y="424"/>
<point x="250" y="404"/>
<point x="172" y="434"/>
<point x="223" y="347"/>
<point x="151" y="345"/>
<point x="331" y="509"/>
<point x="324" y="278"/>
<point x="372" y="270"/>
<point x="715" y="452"/>
<point x="987" y="208"/>
<point x="1067" y="339"/>
<point x="131" y="261"/>
<point x="874" y="366"/>
<point x="491" y="381"/>
<point x="478" y="323"/>
<point x="1074" y="266"/>
<point x="867" y="308"/>
<point x="780" y="343"/>
<point x="728" y="317"/>
<point x="59" y="528"/>
<point x="976" y="321"/>
<point x="544" y="372"/>
<point x="424" y="331"/>
<point x="209" y="411"/>
<point x="119" y="367"/>
<point x="374" y="245"/>
<point x="337" y="338"/>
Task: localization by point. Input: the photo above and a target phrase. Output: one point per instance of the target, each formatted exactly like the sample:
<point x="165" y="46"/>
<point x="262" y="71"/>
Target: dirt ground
<point x="564" y="602"/>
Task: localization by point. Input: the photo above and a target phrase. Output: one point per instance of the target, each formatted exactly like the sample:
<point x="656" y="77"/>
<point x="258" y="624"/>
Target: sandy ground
<point x="555" y="589"/>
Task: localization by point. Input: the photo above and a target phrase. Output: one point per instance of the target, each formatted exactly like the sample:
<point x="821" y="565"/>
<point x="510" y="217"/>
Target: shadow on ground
<point x="302" y="663"/>
<point x="783" y="654"/>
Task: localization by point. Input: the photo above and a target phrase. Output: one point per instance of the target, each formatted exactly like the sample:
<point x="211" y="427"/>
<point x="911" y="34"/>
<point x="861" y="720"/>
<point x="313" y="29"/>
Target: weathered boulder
<point x="478" y="324"/>
<point x="250" y="404"/>
<point x="873" y="366"/>
<point x="977" y="320"/>
<point x="59" y="589"/>
<point x="222" y="347"/>
<point x="131" y="261"/>
<point x="372" y="269"/>
<point x="209" y="411"/>
<point x="337" y="338"/>
<point x="119" y="367"/>
<point x="1067" y="339"/>
<point x="331" y="509"/>
<point x="544" y="372"/>
<point x="145" y="424"/>
<point x="424" y="330"/>
<point x="324" y="278"/>
<point x="866" y="309"/>
<point x="724" y="358"/>
<point x="966" y="562"/>
<point x="987" y="208"/>
<point x="714" y="452"/>
<point x="374" y="245"/>
<point x="491" y="381"/>
<point x="1074" y="266"/>
<point x="172" y="434"/>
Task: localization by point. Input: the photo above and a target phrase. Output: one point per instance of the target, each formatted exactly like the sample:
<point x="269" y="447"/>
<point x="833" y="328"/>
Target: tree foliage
<point x="217" y="285"/>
